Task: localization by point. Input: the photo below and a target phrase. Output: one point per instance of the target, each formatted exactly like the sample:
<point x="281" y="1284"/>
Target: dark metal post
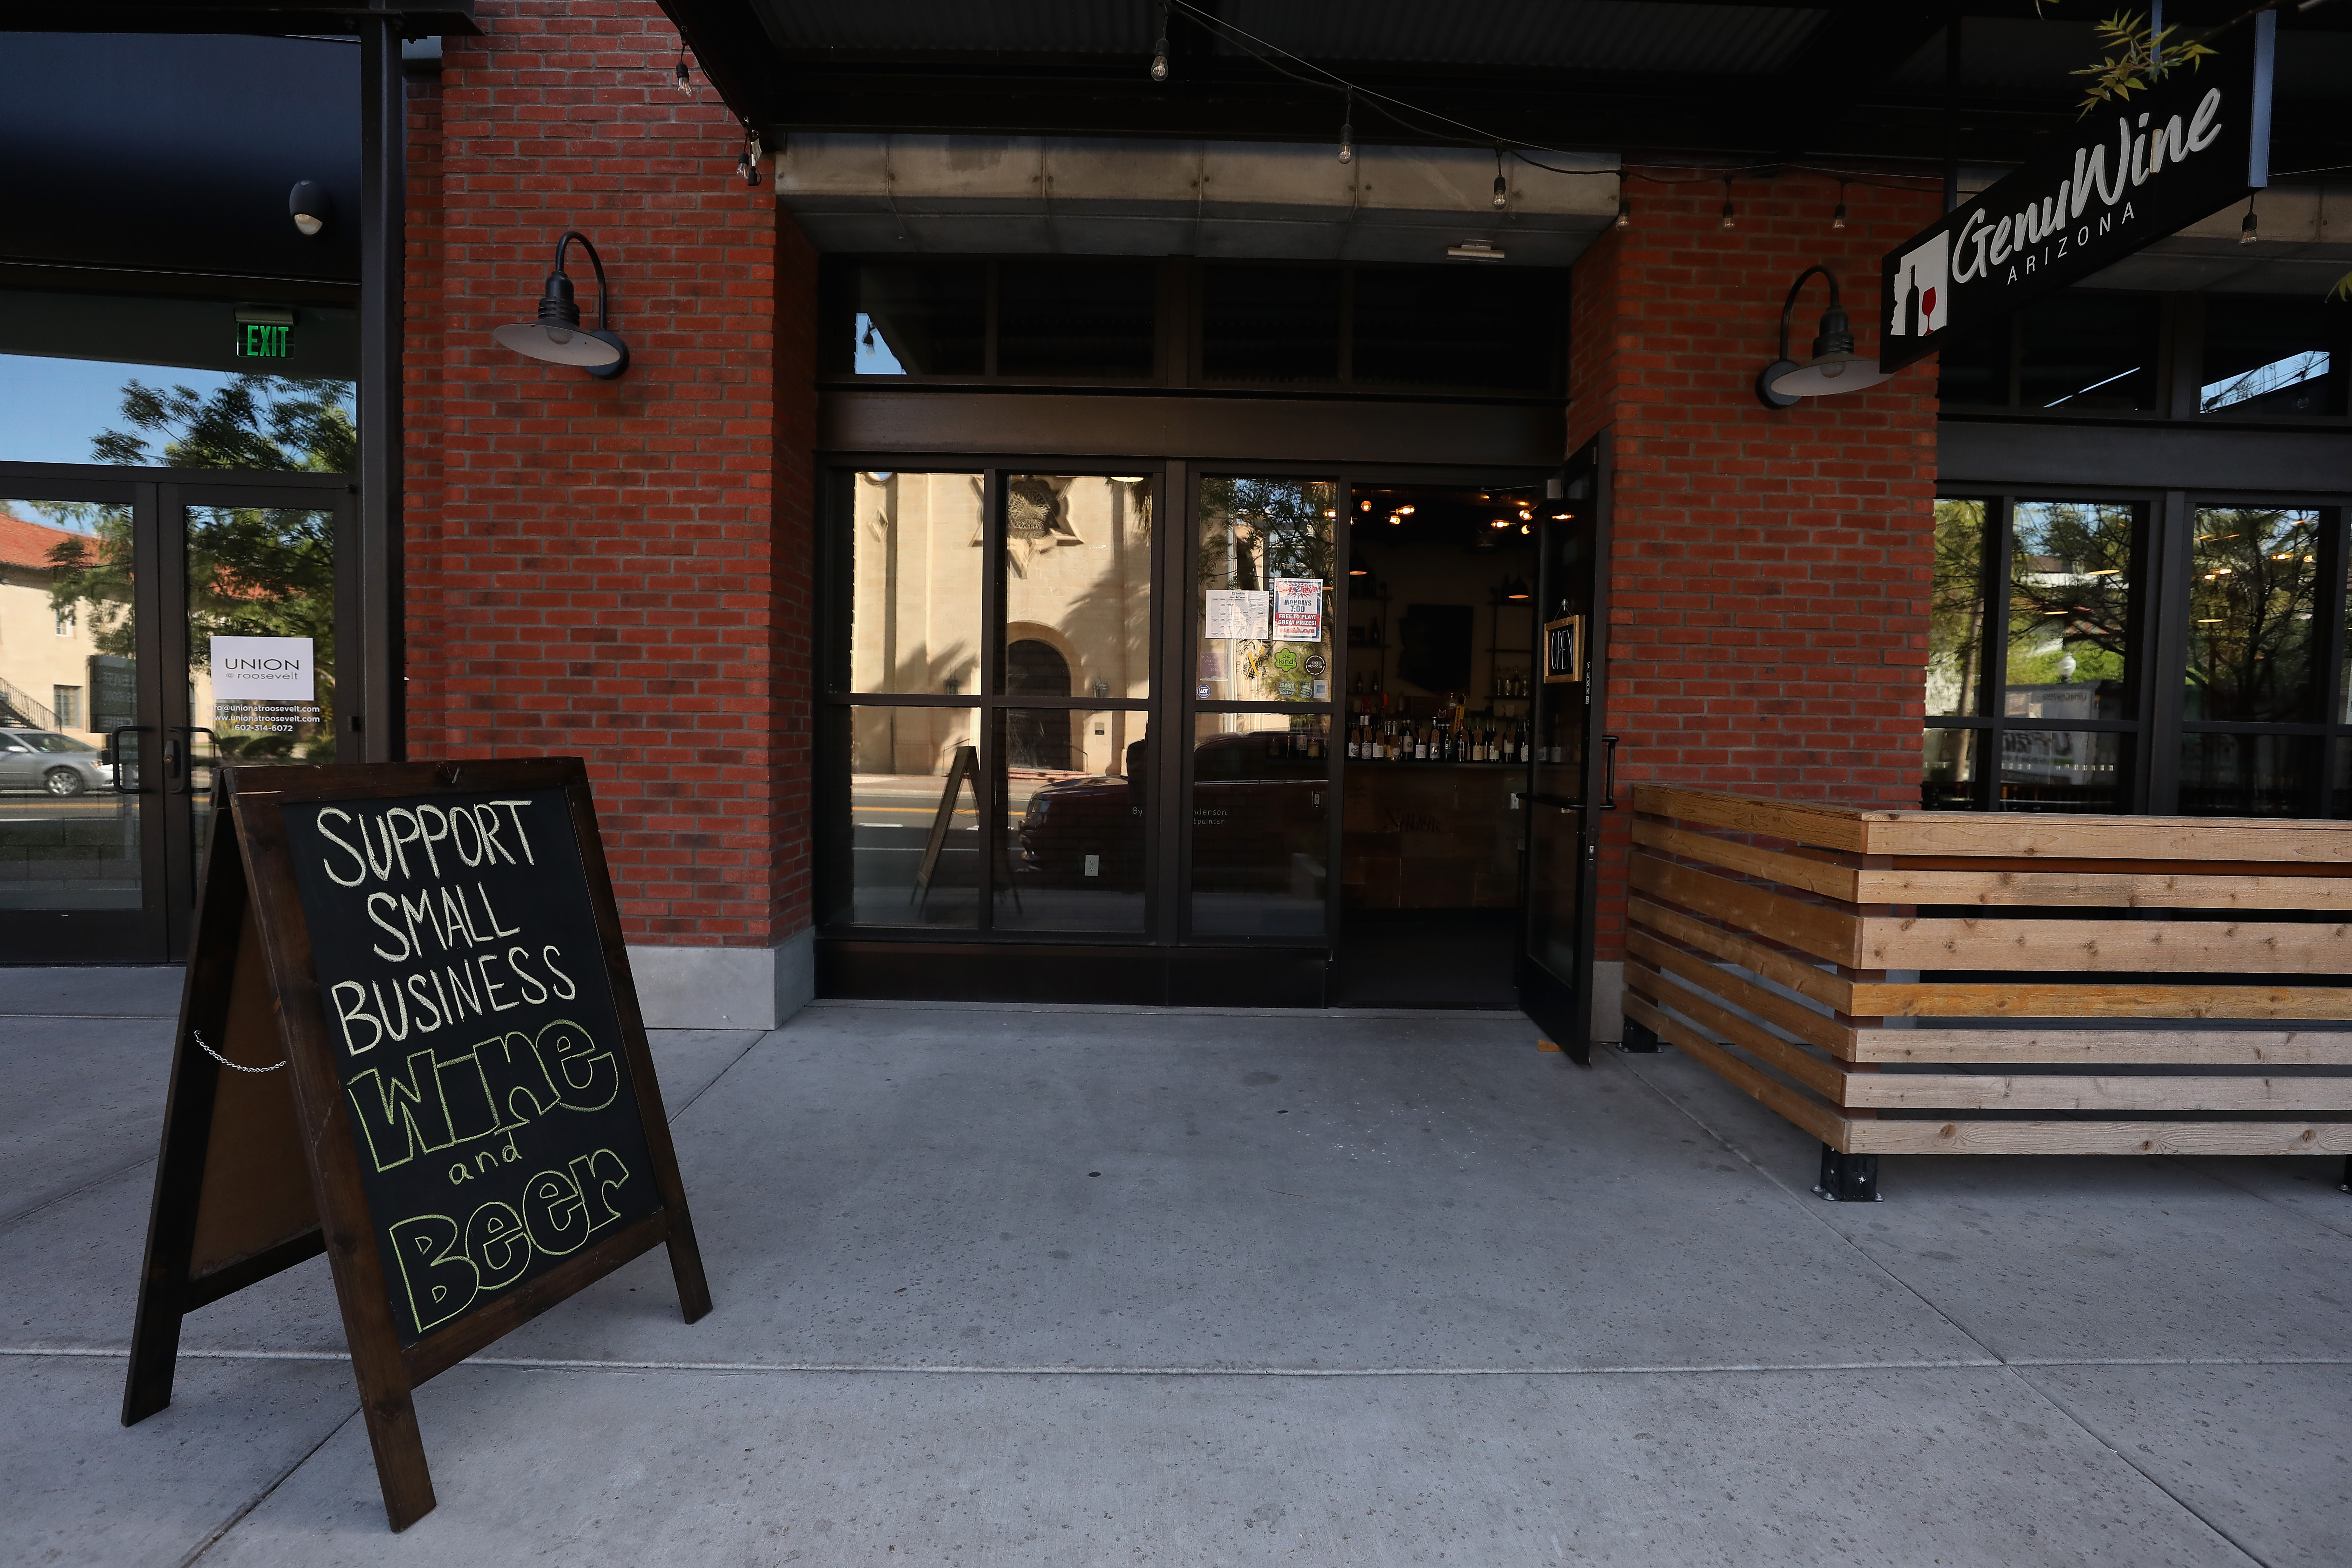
<point x="377" y="722"/>
<point x="1848" y="1178"/>
<point x="1952" y="111"/>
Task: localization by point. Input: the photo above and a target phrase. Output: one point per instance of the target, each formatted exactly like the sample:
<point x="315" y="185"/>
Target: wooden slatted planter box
<point x="1920" y="982"/>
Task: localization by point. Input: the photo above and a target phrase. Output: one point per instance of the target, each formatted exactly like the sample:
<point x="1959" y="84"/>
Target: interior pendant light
<point x="557" y="336"/>
<point x="1834" y="367"/>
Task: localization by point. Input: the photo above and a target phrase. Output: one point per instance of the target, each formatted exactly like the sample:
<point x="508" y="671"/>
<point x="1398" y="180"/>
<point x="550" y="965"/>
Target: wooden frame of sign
<point x="1563" y="650"/>
<point x="461" y="1177"/>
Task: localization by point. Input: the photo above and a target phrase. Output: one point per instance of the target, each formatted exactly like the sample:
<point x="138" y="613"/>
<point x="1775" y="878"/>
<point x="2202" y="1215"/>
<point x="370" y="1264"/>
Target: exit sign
<point x="264" y="339"/>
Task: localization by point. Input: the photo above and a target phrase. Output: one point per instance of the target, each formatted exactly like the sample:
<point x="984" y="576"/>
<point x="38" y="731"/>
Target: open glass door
<point x="1571" y="778"/>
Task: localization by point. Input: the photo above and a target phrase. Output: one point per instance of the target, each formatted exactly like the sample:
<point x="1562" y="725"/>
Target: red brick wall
<point x="617" y="570"/>
<point x="1770" y="573"/>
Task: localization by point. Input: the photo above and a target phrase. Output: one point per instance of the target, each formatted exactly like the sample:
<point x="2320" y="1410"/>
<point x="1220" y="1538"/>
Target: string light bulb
<point x="1502" y="186"/>
<point x="748" y="166"/>
<point x="1837" y="218"/>
<point x="1348" y="132"/>
<point x="1624" y="212"/>
<point x="1730" y="218"/>
<point x="1160" y="49"/>
<point x="684" y="82"/>
<point x="2248" y="231"/>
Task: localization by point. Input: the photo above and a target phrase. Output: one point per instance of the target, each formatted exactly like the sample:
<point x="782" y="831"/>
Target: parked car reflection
<point x="1255" y="808"/>
<point x="53" y="764"/>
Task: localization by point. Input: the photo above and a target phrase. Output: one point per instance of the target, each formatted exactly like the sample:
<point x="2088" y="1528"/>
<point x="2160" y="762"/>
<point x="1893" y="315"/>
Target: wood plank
<point x="1830" y="990"/>
<point x="2301" y="840"/>
<point x="1798" y="1019"/>
<point x="1799" y="821"/>
<point x="2185" y="1048"/>
<point x="1962" y="1136"/>
<point x="1811" y="928"/>
<point x="2006" y="1000"/>
<point x="1997" y="1091"/>
<point x="1823" y="1078"/>
<point x="1826" y="878"/>
<point x="1794" y="1107"/>
<point x="2160" y="889"/>
<point x="2093" y="947"/>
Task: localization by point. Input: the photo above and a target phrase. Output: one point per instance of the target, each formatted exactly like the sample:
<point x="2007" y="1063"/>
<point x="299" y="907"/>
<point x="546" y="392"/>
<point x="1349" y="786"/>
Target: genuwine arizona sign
<point x="2146" y="168"/>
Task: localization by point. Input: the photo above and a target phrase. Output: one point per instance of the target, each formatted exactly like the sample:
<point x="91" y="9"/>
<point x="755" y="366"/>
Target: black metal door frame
<point x="1561" y="1005"/>
<point x="162" y="746"/>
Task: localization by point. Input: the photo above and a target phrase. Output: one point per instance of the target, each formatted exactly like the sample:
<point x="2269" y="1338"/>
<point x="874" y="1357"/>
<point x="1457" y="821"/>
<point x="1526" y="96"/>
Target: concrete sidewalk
<point x="1074" y="1287"/>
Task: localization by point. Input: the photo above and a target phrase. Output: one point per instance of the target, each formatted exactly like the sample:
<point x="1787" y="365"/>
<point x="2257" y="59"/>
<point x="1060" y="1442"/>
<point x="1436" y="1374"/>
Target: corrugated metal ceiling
<point x="1547" y="35"/>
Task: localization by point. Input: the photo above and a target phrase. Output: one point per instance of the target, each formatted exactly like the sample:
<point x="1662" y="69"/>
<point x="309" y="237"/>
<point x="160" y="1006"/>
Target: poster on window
<point x="263" y="686"/>
<point x="1234" y="613"/>
<point x="1298" y="609"/>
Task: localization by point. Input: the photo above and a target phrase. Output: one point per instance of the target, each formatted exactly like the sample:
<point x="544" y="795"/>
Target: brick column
<point x="1770" y="569"/>
<point x="620" y="570"/>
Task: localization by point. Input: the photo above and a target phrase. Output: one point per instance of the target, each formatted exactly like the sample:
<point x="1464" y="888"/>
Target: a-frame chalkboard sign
<point x="465" y="1120"/>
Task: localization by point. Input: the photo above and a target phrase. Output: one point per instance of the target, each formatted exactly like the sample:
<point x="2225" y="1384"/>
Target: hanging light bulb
<point x="1160" y="49"/>
<point x="1502" y="186"/>
<point x="1730" y="218"/>
<point x="748" y="166"/>
<point x="685" y="83"/>
<point x="2248" y="232"/>
<point x="1348" y="132"/>
<point x="1837" y="218"/>
<point x="1624" y="212"/>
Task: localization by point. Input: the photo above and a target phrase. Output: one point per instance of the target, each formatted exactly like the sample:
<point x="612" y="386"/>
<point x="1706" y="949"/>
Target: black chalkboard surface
<point x="454" y="943"/>
<point x="408" y="1039"/>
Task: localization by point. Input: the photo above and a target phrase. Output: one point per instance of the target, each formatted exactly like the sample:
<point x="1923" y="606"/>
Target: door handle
<point x="1609" y="772"/>
<point x="114" y="744"/>
<point x="173" y="758"/>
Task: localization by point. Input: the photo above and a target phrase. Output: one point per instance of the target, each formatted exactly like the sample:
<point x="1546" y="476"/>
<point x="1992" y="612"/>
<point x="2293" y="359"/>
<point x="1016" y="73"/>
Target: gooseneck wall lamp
<point x="1833" y="368"/>
<point x="557" y="336"/>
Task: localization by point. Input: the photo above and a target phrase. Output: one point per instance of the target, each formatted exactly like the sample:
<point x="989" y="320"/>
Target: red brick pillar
<point x="1769" y="575"/>
<point x="619" y="570"/>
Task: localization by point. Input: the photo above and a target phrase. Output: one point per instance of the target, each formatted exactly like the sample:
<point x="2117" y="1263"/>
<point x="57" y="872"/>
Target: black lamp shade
<point x="557" y="336"/>
<point x="310" y="207"/>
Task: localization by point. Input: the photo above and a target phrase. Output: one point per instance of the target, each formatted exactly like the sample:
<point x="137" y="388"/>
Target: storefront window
<point x="2064" y="770"/>
<point x="1948" y="770"/>
<point x="1270" y="323"/>
<point x="2271" y="356"/>
<point x="915" y="557"/>
<point x="913" y="777"/>
<point x="1260" y="823"/>
<point x="2081" y="352"/>
<point x="1078" y="585"/>
<point x="1076" y="789"/>
<point x="2254" y="638"/>
<point x="1077" y="320"/>
<point x="1956" y="617"/>
<point x="1265" y="583"/>
<point x="2070" y="577"/>
<point x="918" y="318"/>
<point x="2226" y="775"/>
<point x="1419" y="326"/>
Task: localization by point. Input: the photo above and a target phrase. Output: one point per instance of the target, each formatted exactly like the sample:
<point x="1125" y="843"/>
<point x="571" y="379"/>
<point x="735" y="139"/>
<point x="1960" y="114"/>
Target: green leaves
<point x="2140" y="59"/>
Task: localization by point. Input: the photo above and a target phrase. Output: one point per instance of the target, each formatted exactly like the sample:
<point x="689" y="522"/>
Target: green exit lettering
<point x="259" y="339"/>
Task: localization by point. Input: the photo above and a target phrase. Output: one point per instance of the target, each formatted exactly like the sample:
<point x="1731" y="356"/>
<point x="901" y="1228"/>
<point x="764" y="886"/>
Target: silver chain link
<point x="224" y="1060"/>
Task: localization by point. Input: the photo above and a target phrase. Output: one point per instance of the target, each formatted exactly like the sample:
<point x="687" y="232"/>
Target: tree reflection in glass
<point x="2070" y="577"/>
<point x="252" y="571"/>
<point x="1254" y="534"/>
<point x="1956" y="613"/>
<point x="2253" y="597"/>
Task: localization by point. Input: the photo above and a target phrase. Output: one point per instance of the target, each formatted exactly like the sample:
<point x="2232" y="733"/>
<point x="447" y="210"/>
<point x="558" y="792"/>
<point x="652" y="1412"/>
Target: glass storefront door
<point x="150" y="629"/>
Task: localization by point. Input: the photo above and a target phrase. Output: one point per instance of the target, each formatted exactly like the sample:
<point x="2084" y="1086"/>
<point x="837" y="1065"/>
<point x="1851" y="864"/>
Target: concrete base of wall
<point x="1608" y="1001"/>
<point x="724" y="987"/>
